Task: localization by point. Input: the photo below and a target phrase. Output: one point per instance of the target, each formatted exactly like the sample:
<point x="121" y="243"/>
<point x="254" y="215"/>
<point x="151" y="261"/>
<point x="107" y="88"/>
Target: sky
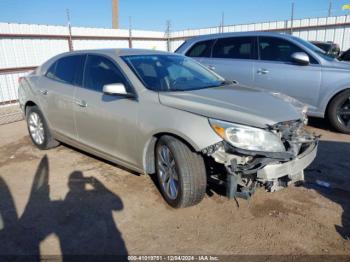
<point x="153" y="14"/>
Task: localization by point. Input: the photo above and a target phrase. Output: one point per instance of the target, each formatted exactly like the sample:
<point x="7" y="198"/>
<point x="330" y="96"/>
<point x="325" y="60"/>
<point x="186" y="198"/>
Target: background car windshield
<point x="314" y="48"/>
<point x="171" y="73"/>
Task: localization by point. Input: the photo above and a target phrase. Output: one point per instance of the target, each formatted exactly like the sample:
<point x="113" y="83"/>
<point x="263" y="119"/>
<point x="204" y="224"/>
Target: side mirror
<point x="116" y="89"/>
<point x="301" y="58"/>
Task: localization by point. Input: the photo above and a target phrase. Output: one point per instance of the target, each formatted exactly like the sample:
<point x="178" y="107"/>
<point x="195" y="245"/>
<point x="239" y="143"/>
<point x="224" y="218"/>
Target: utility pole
<point x="70" y="42"/>
<point x="330" y="8"/>
<point x="130" y="33"/>
<point x="167" y="34"/>
<point x="115" y="14"/>
<point x="292" y="19"/>
<point x="222" y="21"/>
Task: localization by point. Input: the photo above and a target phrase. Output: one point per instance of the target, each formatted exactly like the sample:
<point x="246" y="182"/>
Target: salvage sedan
<point x="156" y="112"/>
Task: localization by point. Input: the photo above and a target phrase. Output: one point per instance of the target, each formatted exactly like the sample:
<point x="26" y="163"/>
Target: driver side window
<point x="100" y="71"/>
<point x="277" y="49"/>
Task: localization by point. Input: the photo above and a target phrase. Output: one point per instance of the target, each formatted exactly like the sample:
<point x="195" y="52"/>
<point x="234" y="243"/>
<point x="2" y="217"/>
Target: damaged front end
<point x="244" y="169"/>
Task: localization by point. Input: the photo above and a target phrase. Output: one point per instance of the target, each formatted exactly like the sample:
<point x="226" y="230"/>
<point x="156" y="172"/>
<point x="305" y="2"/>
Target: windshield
<point x="324" y="46"/>
<point x="172" y="72"/>
<point x="314" y="48"/>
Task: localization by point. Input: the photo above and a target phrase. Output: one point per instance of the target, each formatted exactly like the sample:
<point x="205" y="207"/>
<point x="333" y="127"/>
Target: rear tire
<point x="38" y="129"/>
<point x="183" y="180"/>
<point x="336" y="116"/>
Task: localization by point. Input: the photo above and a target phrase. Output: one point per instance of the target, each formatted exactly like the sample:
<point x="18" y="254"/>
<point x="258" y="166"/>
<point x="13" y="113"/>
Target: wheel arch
<point x="332" y="98"/>
<point x="149" y="150"/>
<point x="28" y="104"/>
<point x="31" y="103"/>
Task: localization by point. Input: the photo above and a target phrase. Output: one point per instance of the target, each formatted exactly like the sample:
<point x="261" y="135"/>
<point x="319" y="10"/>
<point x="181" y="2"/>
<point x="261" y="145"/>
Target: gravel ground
<point x="63" y="201"/>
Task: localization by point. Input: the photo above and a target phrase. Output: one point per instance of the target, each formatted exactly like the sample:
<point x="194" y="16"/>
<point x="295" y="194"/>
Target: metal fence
<point x="9" y="109"/>
<point x="25" y="46"/>
<point x="335" y="29"/>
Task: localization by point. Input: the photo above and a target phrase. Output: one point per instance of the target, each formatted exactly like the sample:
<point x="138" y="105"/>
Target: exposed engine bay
<point x="242" y="171"/>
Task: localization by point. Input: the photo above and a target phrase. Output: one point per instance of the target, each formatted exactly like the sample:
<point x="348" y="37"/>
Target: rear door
<point x="57" y="90"/>
<point x="233" y="58"/>
<point x="106" y="123"/>
<point x="276" y="71"/>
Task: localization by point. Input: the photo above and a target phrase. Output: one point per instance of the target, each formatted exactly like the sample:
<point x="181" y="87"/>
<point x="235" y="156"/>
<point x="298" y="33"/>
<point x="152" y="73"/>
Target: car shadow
<point x="320" y="123"/>
<point x="100" y="159"/>
<point x="83" y="221"/>
<point x="329" y="175"/>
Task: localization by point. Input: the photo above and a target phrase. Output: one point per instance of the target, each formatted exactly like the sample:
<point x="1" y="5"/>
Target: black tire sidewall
<point x="332" y="112"/>
<point x="173" y="202"/>
<point x="35" y="109"/>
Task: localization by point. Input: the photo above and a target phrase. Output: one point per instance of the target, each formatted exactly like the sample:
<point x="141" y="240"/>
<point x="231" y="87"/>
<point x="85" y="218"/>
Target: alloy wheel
<point x="169" y="179"/>
<point x="36" y="128"/>
<point x="343" y="113"/>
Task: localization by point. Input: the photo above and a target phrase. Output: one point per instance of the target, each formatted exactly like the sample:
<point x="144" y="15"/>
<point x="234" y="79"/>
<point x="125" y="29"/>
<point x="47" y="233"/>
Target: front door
<point x="277" y="72"/>
<point x="105" y="122"/>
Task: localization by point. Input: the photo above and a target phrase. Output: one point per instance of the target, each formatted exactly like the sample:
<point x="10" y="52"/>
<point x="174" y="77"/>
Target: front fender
<point x="327" y="98"/>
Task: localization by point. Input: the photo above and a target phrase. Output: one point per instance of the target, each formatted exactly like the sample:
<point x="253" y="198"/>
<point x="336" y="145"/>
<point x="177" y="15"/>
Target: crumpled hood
<point x="235" y="104"/>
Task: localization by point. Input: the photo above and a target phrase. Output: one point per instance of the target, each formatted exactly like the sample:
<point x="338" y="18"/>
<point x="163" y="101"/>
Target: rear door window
<point x="235" y="48"/>
<point x="201" y="49"/>
<point x="67" y="69"/>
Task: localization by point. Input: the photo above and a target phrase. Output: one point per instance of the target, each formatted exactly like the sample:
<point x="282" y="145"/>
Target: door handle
<point x="262" y="71"/>
<point x="43" y="92"/>
<point x="211" y="67"/>
<point x="81" y="103"/>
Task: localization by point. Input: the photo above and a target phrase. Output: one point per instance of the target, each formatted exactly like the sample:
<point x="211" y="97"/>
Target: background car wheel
<point x="339" y="112"/>
<point x="38" y="129"/>
<point x="181" y="173"/>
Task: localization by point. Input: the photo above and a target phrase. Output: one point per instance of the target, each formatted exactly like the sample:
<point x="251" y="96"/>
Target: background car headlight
<point x="246" y="137"/>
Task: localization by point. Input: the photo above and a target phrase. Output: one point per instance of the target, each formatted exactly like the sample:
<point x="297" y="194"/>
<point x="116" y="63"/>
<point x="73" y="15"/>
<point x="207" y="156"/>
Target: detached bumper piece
<point x="245" y="170"/>
<point x="281" y="175"/>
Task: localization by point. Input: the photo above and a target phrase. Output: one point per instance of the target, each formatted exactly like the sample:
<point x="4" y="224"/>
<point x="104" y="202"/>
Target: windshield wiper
<point x="221" y="83"/>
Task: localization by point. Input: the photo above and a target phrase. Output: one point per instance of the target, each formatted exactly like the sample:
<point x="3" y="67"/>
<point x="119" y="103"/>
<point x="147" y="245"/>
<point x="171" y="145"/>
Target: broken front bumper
<point x="294" y="169"/>
<point x="246" y="169"/>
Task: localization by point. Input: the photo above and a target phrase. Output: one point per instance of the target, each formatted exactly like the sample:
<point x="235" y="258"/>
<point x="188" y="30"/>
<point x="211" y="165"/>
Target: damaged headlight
<point x="246" y="137"/>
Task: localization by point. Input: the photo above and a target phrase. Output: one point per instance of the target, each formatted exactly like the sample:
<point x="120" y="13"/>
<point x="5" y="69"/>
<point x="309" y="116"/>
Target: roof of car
<point x="120" y="51"/>
<point x="222" y="35"/>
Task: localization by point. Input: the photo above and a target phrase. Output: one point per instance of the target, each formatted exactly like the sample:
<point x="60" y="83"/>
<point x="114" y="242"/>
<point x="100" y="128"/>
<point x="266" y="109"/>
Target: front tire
<point x="38" y="129"/>
<point x="339" y="112"/>
<point x="181" y="173"/>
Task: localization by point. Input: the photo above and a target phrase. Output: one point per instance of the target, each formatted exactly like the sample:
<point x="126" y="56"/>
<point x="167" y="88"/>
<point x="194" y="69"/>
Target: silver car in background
<point x="156" y="112"/>
<point x="279" y="63"/>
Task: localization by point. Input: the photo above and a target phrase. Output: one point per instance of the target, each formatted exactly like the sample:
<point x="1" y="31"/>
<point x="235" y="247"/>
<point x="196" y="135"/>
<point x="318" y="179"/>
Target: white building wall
<point x="9" y="86"/>
<point x="22" y="52"/>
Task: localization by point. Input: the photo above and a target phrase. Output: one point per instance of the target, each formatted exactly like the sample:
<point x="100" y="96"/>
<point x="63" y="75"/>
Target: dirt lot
<point x="63" y="201"/>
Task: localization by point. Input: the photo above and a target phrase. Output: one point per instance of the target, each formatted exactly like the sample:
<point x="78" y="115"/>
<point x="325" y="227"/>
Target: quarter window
<point x="235" y="47"/>
<point x="51" y="72"/>
<point x="201" y="49"/>
<point x="101" y="71"/>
